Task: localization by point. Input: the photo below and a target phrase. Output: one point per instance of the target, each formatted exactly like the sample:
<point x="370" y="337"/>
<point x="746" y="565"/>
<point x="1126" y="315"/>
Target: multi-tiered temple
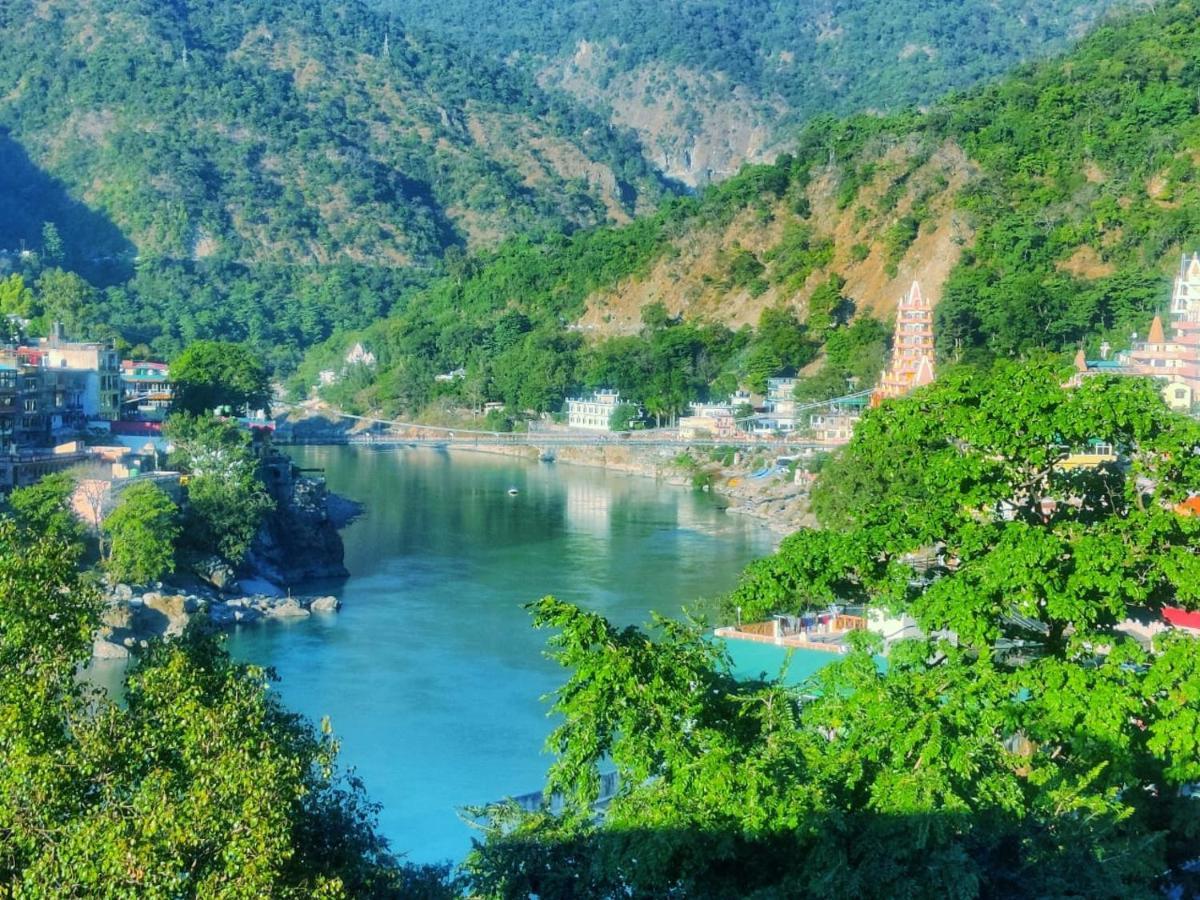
<point x="912" y="348"/>
<point x="1172" y="355"/>
<point x="1176" y="358"/>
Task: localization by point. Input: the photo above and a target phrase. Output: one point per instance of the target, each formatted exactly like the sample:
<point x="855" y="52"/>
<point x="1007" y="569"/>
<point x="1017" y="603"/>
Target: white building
<point x="834" y="426"/>
<point x="593" y="413"/>
<point x="360" y="355"/>
<point x="780" y="404"/>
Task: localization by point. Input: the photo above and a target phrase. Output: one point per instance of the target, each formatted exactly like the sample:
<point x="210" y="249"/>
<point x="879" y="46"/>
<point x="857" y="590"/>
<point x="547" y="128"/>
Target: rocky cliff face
<point x="299" y="540"/>
<point x="695" y="127"/>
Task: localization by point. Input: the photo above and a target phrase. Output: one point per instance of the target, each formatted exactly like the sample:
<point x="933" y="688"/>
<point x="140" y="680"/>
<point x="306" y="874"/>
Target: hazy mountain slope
<point x="1042" y="211"/>
<point x="709" y="84"/>
<point x="296" y="132"/>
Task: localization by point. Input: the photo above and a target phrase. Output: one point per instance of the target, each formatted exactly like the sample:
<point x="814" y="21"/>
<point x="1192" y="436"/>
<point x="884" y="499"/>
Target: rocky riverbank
<point x="299" y="539"/>
<point x="132" y="618"/>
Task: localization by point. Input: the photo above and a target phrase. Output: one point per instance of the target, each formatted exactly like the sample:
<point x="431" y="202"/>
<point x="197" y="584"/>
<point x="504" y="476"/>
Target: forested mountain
<point x="243" y="148"/>
<point x="709" y="84"/>
<point x="1044" y="210"/>
<point x="296" y="131"/>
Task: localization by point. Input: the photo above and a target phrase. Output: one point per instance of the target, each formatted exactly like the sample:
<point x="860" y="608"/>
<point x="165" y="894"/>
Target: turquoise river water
<point x="431" y="675"/>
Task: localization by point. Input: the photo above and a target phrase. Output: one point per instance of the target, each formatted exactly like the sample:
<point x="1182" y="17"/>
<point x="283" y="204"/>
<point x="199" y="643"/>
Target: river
<point x="431" y="674"/>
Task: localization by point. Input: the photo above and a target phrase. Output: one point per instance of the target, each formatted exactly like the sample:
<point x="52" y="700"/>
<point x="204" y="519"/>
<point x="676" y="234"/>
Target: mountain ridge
<point x="1043" y="211"/>
<point x="709" y="84"/>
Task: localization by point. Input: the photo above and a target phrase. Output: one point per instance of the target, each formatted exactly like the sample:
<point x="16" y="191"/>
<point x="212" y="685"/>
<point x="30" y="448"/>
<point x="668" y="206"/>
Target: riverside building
<point x="1168" y="352"/>
<point x="593" y="413"/>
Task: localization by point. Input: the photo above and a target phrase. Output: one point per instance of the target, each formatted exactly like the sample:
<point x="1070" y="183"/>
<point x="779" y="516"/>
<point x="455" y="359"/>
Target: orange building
<point x="911" y="365"/>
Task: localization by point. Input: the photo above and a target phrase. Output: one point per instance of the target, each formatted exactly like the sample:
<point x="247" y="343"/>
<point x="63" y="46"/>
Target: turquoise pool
<point x="751" y="660"/>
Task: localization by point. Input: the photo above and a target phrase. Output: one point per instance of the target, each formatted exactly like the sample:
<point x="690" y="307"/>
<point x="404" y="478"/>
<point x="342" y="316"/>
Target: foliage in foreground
<point x="226" y="498"/>
<point x="200" y="785"/>
<point x="142" y="532"/>
<point x="1040" y="753"/>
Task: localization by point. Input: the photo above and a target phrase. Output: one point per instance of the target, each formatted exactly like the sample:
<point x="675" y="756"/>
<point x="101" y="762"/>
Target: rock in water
<point x="325" y="604"/>
<point x="286" y="609"/>
<point x="117" y="615"/>
<point x="218" y="573"/>
<point x="299" y="540"/>
<point x="106" y="649"/>
<point x="171" y="607"/>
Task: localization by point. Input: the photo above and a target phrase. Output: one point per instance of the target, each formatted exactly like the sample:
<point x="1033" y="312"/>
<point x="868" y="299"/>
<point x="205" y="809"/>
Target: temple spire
<point x="1156" y="335"/>
<point x="911" y="364"/>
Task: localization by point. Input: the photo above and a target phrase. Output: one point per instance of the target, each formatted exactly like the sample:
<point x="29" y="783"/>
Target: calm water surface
<point x="431" y="674"/>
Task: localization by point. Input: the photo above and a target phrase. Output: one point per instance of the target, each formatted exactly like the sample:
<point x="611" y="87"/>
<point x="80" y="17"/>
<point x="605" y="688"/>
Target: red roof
<point x="1181" y="618"/>
<point x="137" y="428"/>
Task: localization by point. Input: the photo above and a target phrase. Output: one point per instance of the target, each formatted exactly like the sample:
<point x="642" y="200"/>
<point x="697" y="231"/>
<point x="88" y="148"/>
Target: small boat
<point x="512" y="492"/>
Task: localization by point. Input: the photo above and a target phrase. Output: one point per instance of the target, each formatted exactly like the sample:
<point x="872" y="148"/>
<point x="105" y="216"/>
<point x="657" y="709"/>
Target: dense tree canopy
<point x="226" y="498"/>
<point x="203" y="171"/>
<point x="210" y="375"/>
<point x="142" y="532"/>
<point x="1025" y="747"/>
<point x="198" y="785"/>
<point x="44" y="509"/>
<point x="761" y="56"/>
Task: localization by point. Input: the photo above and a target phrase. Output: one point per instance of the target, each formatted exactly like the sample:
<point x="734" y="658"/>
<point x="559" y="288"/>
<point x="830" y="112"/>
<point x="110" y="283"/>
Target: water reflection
<point x="431" y="673"/>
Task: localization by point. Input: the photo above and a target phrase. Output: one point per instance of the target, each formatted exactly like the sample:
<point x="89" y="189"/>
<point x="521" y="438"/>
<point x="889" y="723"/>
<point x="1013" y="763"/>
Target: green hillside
<point x="711" y="83"/>
<point x="231" y="146"/>
<point x="1071" y="185"/>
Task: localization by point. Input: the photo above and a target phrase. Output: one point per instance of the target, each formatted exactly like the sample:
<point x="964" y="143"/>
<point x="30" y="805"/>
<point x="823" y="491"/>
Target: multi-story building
<point x="146" y="391"/>
<point x="98" y="366"/>
<point x="911" y="364"/>
<point x="834" y="426"/>
<point x="593" y="413"/>
<point x="780" y="405"/>
<point x="714" y="420"/>
<point x="9" y="406"/>
<point x="51" y="392"/>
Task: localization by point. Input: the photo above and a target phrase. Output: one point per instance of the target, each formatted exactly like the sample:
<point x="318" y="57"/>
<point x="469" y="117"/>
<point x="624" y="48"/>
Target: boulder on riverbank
<point x="214" y="571"/>
<point x="130" y="620"/>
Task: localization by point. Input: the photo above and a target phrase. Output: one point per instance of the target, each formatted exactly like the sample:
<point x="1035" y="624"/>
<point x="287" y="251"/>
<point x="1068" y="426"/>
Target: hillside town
<point x="60" y="399"/>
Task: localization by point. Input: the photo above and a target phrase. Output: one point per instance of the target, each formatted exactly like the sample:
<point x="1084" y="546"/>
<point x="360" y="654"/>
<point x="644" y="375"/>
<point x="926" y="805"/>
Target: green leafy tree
<point x="226" y="499"/>
<point x="16" y="299"/>
<point x="142" y="532"/>
<point x="52" y="244"/>
<point x="67" y="298"/>
<point x="622" y="415"/>
<point x="212" y="374"/>
<point x="223" y="515"/>
<point x="44" y="509"/>
<point x="1025" y="746"/>
<point x="199" y="785"/>
<point x="827" y="307"/>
